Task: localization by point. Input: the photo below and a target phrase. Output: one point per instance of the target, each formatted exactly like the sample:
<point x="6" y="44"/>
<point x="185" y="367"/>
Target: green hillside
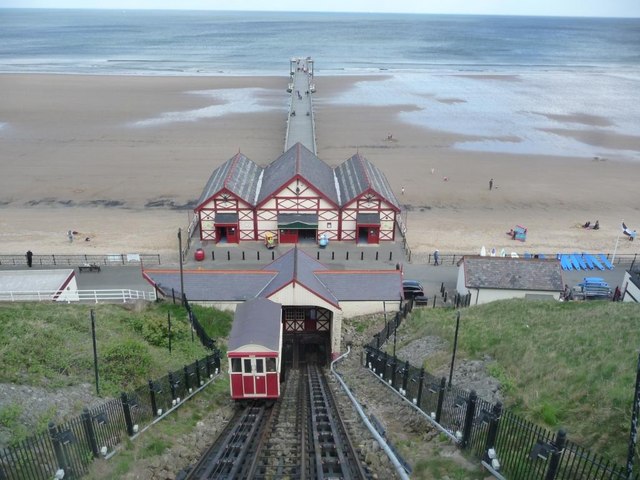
<point x="570" y="365"/>
<point x="49" y="346"/>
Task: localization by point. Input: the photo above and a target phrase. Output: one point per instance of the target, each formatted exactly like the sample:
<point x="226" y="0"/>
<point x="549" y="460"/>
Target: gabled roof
<point x="512" y="273"/>
<point x="257" y="322"/>
<point x="238" y="175"/>
<point x="298" y="161"/>
<point x="294" y="266"/>
<point x="297" y="266"/>
<point x="358" y="175"/>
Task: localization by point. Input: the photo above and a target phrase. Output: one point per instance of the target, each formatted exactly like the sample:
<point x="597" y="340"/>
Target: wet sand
<point x="75" y="156"/>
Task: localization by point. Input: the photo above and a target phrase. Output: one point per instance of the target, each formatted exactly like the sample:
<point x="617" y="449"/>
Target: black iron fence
<point x="517" y="448"/>
<point x="205" y="339"/>
<point x="68" y="449"/>
<point x="77" y="260"/>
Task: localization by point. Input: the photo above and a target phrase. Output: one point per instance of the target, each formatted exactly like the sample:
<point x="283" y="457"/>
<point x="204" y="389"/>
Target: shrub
<point x="126" y="364"/>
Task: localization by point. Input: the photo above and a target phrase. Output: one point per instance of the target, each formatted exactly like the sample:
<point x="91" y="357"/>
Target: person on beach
<point x="491" y="184"/>
<point x="70" y="236"/>
<point x="436" y="258"/>
<point x="29" y="256"/>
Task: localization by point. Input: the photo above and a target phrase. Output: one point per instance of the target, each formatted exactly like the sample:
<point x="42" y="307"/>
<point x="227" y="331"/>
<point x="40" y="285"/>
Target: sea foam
<point x="511" y="112"/>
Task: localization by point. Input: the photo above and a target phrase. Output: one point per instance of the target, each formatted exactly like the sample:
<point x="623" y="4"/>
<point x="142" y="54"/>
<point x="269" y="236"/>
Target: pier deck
<point x="300" y="124"/>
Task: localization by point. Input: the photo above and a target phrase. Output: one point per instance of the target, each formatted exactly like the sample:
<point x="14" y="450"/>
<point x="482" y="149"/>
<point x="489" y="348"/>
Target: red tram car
<point x="254" y="350"/>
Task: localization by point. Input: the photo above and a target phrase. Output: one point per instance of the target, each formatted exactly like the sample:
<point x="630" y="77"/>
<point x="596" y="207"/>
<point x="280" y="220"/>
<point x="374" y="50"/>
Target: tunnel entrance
<point x="306" y="337"/>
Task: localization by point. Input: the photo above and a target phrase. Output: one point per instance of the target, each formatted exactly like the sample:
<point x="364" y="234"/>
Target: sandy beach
<point x="122" y="160"/>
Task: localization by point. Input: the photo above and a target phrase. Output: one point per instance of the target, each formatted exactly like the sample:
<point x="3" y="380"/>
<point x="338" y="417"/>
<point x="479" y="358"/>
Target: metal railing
<point x="93" y="296"/>
<point x="504" y="442"/>
<point x="623" y="260"/>
<point x="76" y="260"/>
<point x="67" y="449"/>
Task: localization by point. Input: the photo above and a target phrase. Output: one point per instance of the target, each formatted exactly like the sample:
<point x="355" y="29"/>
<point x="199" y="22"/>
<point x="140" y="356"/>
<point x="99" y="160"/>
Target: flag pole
<point x="613" y="259"/>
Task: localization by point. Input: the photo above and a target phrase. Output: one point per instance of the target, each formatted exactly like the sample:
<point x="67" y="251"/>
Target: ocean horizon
<point x="170" y="42"/>
<point x="520" y="85"/>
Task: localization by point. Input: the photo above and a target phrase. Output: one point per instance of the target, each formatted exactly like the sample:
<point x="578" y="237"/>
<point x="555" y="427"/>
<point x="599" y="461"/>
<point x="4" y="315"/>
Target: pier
<point x="300" y="124"/>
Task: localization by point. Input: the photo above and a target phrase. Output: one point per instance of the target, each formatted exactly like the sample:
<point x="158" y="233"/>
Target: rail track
<point x="302" y="436"/>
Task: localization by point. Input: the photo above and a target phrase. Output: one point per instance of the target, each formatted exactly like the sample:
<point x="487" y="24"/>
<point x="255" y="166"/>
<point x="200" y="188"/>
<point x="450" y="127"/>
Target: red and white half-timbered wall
<point x="226" y="203"/>
<point x="297" y="197"/>
<point x="368" y="203"/>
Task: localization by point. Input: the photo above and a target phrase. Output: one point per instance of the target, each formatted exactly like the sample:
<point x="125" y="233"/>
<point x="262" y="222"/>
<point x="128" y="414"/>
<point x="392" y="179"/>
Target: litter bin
<point x="199" y="255"/>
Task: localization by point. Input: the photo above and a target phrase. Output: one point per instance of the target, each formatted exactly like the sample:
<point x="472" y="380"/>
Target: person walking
<point x="436" y="258"/>
<point x="29" y="256"/>
<point x="491" y="184"/>
<point x="70" y="236"/>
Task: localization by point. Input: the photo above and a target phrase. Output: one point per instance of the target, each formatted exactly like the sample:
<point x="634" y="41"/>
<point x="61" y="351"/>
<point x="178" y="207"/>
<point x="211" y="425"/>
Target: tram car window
<point x="236" y="365"/>
<point x="271" y="365"/>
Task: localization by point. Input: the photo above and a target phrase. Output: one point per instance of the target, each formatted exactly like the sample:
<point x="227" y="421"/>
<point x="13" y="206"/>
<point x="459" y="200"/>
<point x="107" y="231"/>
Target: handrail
<point x="81" y="259"/>
<point x="68" y="296"/>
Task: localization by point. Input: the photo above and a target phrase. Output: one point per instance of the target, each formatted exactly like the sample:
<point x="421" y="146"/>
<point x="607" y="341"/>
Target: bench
<point x="89" y="268"/>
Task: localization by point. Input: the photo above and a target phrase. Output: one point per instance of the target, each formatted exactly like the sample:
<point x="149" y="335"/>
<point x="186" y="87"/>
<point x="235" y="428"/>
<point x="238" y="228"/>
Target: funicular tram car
<point x="254" y="350"/>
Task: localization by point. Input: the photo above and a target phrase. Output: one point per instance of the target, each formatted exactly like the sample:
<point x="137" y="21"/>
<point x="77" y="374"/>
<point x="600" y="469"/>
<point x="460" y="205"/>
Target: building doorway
<point x="368" y="228"/>
<point x="227" y="233"/>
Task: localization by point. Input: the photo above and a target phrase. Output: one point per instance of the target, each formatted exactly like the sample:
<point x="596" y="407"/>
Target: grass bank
<point x="49" y="346"/>
<point x="570" y="365"/>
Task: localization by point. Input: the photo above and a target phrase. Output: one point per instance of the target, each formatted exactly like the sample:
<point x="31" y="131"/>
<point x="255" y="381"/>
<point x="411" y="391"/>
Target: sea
<point x="556" y="74"/>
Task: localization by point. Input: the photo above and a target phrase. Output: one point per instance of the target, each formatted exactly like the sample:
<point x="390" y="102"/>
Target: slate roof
<point x="363" y="285"/>
<point x="295" y="265"/>
<point x="239" y="175"/>
<point x="298" y="160"/>
<point x="212" y="285"/>
<point x="513" y="273"/>
<point x="357" y="175"/>
<point x="256" y="322"/>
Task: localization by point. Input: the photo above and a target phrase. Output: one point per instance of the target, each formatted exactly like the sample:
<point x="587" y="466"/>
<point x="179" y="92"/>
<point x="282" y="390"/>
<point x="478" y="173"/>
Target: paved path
<point x="300" y="126"/>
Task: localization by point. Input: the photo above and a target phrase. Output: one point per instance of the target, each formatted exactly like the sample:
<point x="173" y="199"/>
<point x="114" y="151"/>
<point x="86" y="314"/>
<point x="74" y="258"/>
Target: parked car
<point x="412" y="289"/>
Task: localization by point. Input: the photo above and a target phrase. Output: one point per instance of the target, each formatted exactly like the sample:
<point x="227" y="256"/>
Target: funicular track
<point x="302" y="436"/>
<point x="335" y="455"/>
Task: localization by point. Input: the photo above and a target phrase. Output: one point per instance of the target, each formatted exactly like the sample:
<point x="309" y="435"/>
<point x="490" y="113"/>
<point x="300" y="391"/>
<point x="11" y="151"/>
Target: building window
<point x="294" y="314"/>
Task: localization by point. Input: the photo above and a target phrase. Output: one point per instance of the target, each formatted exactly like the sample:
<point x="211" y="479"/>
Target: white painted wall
<point x="487" y="295"/>
<point x="631" y="293"/>
<point x="354" y="309"/>
<point x="70" y="293"/>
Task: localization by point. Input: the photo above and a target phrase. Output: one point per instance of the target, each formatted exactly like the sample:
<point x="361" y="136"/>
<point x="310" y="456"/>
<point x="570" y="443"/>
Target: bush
<point x="126" y="364"/>
<point x="155" y="330"/>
